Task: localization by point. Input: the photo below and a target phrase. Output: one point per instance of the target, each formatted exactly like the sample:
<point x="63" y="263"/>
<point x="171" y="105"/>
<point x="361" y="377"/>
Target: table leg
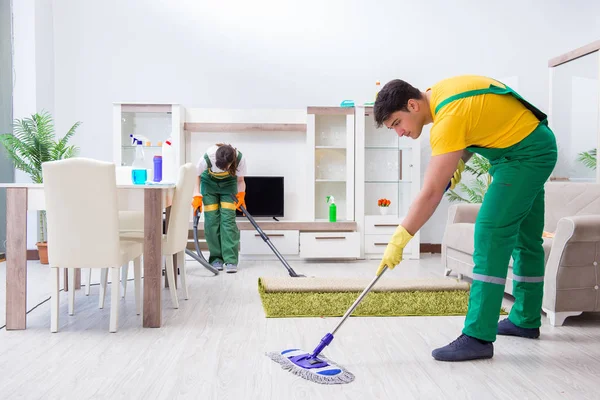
<point x="77" y="279"/>
<point x="152" y="258"/>
<point x="167" y="218"/>
<point x="16" y="258"/>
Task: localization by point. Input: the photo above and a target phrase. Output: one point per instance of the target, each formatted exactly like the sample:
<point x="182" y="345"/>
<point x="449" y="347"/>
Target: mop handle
<point x="357" y="301"/>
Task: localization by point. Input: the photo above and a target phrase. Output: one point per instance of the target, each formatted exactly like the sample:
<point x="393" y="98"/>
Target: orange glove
<point x="197" y="204"/>
<point x="241" y="200"/>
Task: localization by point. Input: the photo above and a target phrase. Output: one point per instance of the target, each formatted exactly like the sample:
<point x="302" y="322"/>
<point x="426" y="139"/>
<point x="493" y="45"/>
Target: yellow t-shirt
<point x="488" y="120"/>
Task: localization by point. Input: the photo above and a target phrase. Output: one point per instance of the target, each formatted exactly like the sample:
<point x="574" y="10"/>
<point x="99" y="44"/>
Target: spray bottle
<point x="332" y="209"/>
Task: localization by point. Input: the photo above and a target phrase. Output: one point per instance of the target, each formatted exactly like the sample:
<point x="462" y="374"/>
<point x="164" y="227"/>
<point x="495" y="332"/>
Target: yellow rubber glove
<point x="457" y="174"/>
<point x="241" y="200"/>
<point x="197" y="204"/>
<point x="393" y="252"/>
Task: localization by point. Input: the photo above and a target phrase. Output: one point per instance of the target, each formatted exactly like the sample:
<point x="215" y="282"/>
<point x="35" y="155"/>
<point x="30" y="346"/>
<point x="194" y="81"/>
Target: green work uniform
<point x="220" y="228"/>
<point x="510" y="223"/>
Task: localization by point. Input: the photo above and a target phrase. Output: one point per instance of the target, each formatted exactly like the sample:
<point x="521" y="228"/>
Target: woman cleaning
<point x="221" y="174"/>
<point x="474" y="114"/>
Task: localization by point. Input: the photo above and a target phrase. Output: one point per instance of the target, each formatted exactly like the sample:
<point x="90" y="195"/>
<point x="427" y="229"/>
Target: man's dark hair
<point x="226" y="158"/>
<point x="393" y="97"/>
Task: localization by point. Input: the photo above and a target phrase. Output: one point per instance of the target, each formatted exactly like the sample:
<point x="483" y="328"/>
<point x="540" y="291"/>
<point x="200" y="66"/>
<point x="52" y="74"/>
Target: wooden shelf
<point x="309" y="226"/>
<point x="574" y="54"/>
<point x="330" y="110"/>
<point x="146" y="108"/>
<point x="242" y="127"/>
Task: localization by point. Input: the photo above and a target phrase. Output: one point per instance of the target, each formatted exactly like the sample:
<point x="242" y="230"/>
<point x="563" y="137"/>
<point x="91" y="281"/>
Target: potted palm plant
<point x="32" y="143"/>
<point x="588" y="158"/>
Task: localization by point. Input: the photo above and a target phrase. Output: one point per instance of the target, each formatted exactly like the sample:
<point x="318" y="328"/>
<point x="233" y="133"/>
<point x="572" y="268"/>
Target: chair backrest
<point x="179" y="219"/>
<point x="82" y="213"/>
<point x="567" y="199"/>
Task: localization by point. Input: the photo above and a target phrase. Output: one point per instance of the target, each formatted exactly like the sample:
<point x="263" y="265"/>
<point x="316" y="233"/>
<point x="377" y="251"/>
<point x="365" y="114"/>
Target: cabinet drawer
<point x="376" y="244"/>
<point x="381" y="224"/>
<point x="330" y="245"/>
<point x="285" y="241"/>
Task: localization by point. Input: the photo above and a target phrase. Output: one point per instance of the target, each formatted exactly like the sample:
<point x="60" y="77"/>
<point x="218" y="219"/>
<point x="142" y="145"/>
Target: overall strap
<point x="239" y="158"/>
<point x="493" y="89"/>
<point x="207" y="159"/>
<point x="458" y="96"/>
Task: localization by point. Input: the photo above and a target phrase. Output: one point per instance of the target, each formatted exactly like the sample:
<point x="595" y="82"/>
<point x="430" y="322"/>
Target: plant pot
<point x="383" y="210"/>
<point x="43" y="252"/>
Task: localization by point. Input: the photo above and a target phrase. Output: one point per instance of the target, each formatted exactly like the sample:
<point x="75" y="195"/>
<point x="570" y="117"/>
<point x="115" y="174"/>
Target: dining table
<point x="21" y="198"/>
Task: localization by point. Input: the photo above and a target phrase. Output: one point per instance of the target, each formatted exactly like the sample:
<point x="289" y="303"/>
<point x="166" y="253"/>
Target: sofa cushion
<point x="461" y="237"/>
<point x="567" y="199"/>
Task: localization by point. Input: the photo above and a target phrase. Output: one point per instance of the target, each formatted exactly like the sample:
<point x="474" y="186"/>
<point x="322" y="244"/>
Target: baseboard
<point x="434" y="248"/>
<point x="33" y="255"/>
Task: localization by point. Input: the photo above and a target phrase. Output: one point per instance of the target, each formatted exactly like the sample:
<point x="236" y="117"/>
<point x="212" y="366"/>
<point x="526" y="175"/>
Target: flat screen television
<point x="264" y="196"/>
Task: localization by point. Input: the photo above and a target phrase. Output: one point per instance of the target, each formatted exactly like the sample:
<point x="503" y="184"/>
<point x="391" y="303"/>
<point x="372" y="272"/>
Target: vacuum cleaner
<point x="200" y="258"/>
<point x="264" y="237"/>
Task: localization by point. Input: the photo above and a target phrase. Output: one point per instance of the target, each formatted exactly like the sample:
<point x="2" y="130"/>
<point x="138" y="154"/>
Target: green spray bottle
<point x="332" y="209"/>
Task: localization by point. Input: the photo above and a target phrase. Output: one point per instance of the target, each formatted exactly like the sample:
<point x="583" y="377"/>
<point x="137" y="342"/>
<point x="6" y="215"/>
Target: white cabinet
<point x="330" y="140"/>
<point x="285" y="241"/>
<point x="329" y="245"/>
<point x="389" y="167"/>
<point x="153" y="124"/>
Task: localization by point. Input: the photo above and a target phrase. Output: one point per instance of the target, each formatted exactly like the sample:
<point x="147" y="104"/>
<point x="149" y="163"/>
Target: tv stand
<point x="299" y="239"/>
<point x="275" y="219"/>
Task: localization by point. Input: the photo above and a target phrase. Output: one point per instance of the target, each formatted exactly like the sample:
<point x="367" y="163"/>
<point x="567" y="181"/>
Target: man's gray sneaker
<point x="230" y="268"/>
<point x="218" y="265"/>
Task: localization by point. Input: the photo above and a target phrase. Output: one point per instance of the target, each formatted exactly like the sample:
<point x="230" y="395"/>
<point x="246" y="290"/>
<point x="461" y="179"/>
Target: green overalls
<point x="510" y="222"/>
<point x="220" y="228"/>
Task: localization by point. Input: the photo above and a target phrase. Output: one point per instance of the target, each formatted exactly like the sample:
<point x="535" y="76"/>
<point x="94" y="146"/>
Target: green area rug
<point x="331" y="297"/>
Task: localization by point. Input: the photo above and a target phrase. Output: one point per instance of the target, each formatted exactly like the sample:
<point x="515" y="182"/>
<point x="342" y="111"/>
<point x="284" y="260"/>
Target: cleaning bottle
<point x="169" y="169"/>
<point x="332" y="209"/>
<point x="157" y="168"/>
<point x="139" y="174"/>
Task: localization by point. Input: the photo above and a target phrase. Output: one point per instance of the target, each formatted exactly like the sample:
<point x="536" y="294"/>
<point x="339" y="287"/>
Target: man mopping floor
<point x="474" y="114"/>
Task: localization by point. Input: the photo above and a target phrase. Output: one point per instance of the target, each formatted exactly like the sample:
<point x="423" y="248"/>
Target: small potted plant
<point x="31" y="144"/>
<point x="384" y="205"/>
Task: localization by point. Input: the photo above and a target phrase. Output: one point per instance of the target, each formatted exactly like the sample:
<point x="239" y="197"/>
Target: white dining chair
<point x="83" y="228"/>
<point x="175" y="241"/>
<point x="128" y="220"/>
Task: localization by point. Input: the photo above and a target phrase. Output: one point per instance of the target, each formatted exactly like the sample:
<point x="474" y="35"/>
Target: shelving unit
<point x="151" y="123"/>
<point x="242" y="127"/>
<point x="330" y="135"/>
<point x="330" y="142"/>
<point x="387" y="166"/>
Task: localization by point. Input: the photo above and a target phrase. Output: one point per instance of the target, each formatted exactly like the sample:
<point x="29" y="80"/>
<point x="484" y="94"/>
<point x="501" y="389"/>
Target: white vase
<point x="383" y="210"/>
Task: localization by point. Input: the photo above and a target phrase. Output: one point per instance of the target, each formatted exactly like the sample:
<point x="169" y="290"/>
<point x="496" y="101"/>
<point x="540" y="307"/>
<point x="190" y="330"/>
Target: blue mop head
<point x="319" y="370"/>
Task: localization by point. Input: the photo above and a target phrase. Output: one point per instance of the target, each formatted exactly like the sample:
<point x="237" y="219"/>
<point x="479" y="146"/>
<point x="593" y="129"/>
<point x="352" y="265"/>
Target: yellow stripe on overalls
<point x="218" y="175"/>
<point x="211" y="207"/>
<point x="229" y="206"/>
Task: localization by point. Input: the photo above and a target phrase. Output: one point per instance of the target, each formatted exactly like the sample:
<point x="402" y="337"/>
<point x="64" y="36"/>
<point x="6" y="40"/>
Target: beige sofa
<point x="572" y="271"/>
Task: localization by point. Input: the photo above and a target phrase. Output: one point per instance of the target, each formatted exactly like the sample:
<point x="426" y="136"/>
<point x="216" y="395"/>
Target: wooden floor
<point x="213" y="348"/>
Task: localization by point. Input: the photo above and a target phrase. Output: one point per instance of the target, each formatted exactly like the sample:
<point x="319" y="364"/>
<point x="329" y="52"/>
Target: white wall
<point x="274" y="54"/>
